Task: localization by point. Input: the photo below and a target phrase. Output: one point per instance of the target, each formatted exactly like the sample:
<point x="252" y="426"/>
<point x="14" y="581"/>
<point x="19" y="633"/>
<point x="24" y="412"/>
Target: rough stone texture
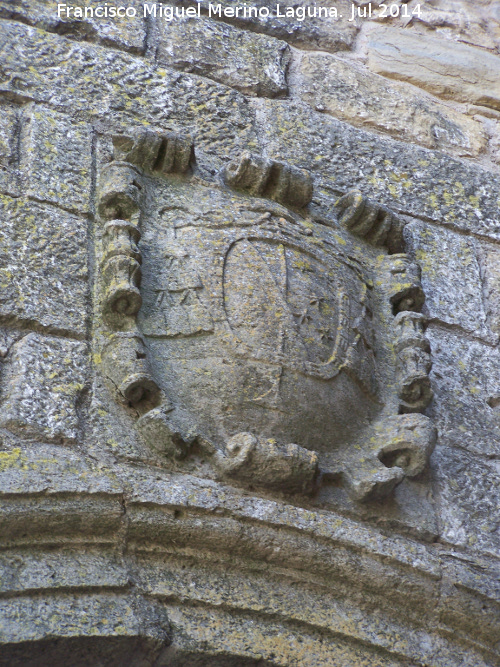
<point x="475" y="23"/>
<point x="336" y="86"/>
<point x="6" y="136"/>
<point x="43" y="266"/>
<point x="493" y="128"/>
<point x="55" y="159"/>
<point x="253" y="64"/>
<point x="469" y="500"/>
<point x="126" y="33"/>
<point x="51" y="470"/>
<point x="42" y="382"/>
<point x="121" y="90"/>
<point x="451" y="277"/>
<point x="279" y="501"/>
<point x="465" y="378"/>
<point x="446" y="69"/>
<point x="405" y="178"/>
<point x="313" y="32"/>
<point x="489" y="257"/>
<point x="135" y="630"/>
<point x="9" y="149"/>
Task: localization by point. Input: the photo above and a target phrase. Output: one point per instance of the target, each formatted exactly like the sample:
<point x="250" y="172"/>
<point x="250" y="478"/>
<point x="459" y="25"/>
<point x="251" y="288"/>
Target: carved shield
<point x="254" y="323"/>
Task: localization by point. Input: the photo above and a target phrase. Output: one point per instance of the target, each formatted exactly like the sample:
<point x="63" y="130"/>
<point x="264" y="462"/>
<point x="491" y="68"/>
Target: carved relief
<point x="120" y="192"/>
<point x="126" y="366"/>
<point x="413" y="362"/>
<point x="248" y="459"/>
<point x="268" y="178"/>
<point x="369" y="220"/>
<point x="178" y="310"/>
<point x="121" y="271"/>
<point x="285" y="353"/>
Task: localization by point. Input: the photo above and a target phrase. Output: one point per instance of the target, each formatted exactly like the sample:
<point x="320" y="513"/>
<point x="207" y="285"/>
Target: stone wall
<point x="125" y="540"/>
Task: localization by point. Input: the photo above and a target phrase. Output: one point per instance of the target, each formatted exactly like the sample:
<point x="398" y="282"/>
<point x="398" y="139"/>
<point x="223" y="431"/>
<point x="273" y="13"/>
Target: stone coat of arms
<point x="291" y="351"/>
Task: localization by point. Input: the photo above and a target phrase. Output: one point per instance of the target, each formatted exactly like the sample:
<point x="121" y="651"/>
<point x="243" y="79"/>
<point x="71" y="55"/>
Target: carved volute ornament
<point x="291" y="351"/>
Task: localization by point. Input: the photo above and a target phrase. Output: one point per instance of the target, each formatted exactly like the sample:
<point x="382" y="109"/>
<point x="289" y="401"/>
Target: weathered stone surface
<point x="9" y="153"/>
<point x="56" y="159"/>
<point x="127" y="369"/>
<point x="253" y="310"/>
<point x="51" y="469"/>
<point x="22" y="572"/>
<point x="314" y="31"/>
<point x="451" y="277"/>
<point x="121" y="90"/>
<point x="475" y="23"/>
<point x="253" y="64"/>
<point x="363" y="99"/>
<point x="466" y="381"/>
<point x="8" y="122"/>
<point x="493" y="128"/>
<point x="447" y="69"/>
<point x="405" y="178"/>
<point x="43" y="266"/>
<point x="468" y="500"/>
<point x="489" y="260"/>
<point x="261" y="177"/>
<point x="219" y="634"/>
<point x="138" y="628"/>
<point x="163" y="153"/>
<point x="42" y="382"/>
<point x="472" y="591"/>
<point x="291" y="467"/>
<point x="128" y="33"/>
<point x="217" y="584"/>
<point x="145" y="488"/>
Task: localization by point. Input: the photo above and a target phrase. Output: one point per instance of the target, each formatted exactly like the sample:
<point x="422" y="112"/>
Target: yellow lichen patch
<point x="10" y="459"/>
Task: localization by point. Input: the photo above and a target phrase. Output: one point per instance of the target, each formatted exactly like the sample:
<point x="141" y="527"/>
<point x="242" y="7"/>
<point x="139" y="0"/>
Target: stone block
<point x="23" y="571"/>
<point x="363" y="99"/>
<point x="475" y="23"/>
<point x="494" y="132"/>
<point x="7" y="136"/>
<point x="252" y="63"/>
<point x="444" y="68"/>
<point x="9" y="128"/>
<point x="70" y="625"/>
<point x="56" y="159"/>
<point x="328" y="31"/>
<point x="405" y="178"/>
<point x="43" y="266"/>
<point x="127" y="33"/>
<point x="41" y="385"/>
<point x="465" y="378"/>
<point x="49" y="469"/>
<point x="468" y="499"/>
<point x="120" y="90"/>
<point x="490" y="269"/>
<point x="451" y="277"/>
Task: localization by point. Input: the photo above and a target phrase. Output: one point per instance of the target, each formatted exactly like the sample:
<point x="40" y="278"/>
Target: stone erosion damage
<point x="291" y="356"/>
